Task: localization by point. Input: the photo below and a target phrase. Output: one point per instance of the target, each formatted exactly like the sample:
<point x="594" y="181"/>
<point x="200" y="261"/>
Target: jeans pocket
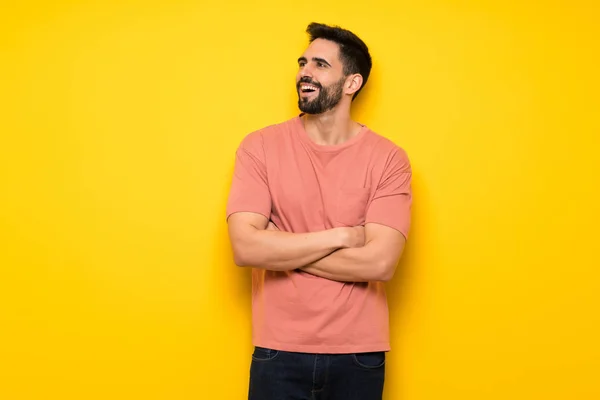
<point x="264" y="354"/>
<point x="371" y="360"/>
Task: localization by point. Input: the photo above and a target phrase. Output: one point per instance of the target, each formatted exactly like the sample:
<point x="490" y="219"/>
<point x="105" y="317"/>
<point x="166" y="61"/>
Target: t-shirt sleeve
<point x="249" y="190"/>
<point x="392" y="201"/>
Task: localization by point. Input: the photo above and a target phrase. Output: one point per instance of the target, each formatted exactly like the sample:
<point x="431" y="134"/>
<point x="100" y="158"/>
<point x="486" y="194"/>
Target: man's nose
<point x="306" y="71"/>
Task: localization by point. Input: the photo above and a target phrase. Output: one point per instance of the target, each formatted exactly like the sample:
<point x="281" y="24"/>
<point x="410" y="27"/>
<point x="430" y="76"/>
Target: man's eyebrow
<point x="317" y="59"/>
<point x="322" y="60"/>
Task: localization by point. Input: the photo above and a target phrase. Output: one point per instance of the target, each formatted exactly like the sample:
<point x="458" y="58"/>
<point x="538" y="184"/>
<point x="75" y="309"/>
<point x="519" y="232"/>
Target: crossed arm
<point x="344" y="254"/>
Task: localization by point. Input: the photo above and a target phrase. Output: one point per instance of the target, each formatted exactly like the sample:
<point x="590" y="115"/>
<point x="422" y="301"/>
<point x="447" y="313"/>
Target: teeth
<point x="307" y="87"/>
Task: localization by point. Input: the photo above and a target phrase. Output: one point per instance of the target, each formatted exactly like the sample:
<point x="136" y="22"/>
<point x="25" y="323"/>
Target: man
<point x="320" y="208"/>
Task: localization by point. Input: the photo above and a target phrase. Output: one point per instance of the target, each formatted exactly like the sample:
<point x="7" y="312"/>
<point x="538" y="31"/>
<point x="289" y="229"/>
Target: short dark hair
<point x="354" y="53"/>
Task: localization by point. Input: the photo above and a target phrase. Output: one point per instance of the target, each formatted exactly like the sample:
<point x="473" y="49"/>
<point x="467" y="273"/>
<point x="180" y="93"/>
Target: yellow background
<point x="119" y="121"/>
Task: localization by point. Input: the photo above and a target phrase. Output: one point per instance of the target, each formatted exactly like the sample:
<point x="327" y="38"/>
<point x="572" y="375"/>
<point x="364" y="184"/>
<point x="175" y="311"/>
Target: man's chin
<point x="308" y="111"/>
<point x="304" y="106"/>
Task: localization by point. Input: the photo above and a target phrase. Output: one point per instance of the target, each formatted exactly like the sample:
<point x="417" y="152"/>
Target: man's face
<point x="320" y="79"/>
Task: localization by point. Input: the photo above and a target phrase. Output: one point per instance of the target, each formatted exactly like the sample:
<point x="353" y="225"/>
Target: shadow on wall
<point x="406" y="281"/>
<point x="399" y="287"/>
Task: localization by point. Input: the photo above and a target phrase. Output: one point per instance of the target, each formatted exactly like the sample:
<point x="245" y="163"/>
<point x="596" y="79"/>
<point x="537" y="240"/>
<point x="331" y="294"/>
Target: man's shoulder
<point x="269" y="133"/>
<point x="386" y="147"/>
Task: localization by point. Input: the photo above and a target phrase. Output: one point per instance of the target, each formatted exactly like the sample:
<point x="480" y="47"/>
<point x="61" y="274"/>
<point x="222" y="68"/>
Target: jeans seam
<point x="314" y="385"/>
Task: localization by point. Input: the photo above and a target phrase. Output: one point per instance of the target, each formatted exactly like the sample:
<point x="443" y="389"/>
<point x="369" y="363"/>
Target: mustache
<point x="306" y="79"/>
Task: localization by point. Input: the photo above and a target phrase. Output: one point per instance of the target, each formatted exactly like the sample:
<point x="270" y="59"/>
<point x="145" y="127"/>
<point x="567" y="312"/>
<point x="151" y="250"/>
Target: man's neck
<point x="330" y="128"/>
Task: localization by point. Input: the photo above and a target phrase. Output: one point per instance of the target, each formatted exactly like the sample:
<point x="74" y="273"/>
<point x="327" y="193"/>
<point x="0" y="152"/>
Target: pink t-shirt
<point x="302" y="187"/>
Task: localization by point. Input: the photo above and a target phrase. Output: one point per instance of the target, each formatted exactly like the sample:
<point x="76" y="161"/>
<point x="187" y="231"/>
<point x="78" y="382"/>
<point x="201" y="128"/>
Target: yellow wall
<point x="119" y="122"/>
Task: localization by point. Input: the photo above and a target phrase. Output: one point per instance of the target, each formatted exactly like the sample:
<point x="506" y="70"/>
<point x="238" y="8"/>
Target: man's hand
<point x="356" y="236"/>
<point x="351" y="236"/>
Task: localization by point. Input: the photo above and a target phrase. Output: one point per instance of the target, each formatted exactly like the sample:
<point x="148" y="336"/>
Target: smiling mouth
<point x="308" y="88"/>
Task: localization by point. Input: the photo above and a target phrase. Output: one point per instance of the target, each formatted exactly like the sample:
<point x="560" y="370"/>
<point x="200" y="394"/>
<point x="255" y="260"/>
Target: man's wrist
<point x="342" y="238"/>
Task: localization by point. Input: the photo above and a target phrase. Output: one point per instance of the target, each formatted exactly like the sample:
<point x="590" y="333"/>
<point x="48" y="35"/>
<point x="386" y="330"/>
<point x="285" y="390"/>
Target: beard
<point x="328" y="97"/>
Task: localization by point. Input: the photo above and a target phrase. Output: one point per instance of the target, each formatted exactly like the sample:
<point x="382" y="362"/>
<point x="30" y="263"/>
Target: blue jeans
<point x="282" y="375"/>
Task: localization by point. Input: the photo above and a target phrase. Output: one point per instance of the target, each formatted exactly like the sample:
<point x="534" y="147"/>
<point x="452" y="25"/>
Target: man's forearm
<point x="357" y="264"/>
<point x="283" y="251"/>
<point x="375" y="261"/>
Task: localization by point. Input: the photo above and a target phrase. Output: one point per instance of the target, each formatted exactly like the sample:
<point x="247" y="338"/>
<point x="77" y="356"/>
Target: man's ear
<point x="353" y="83"/>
